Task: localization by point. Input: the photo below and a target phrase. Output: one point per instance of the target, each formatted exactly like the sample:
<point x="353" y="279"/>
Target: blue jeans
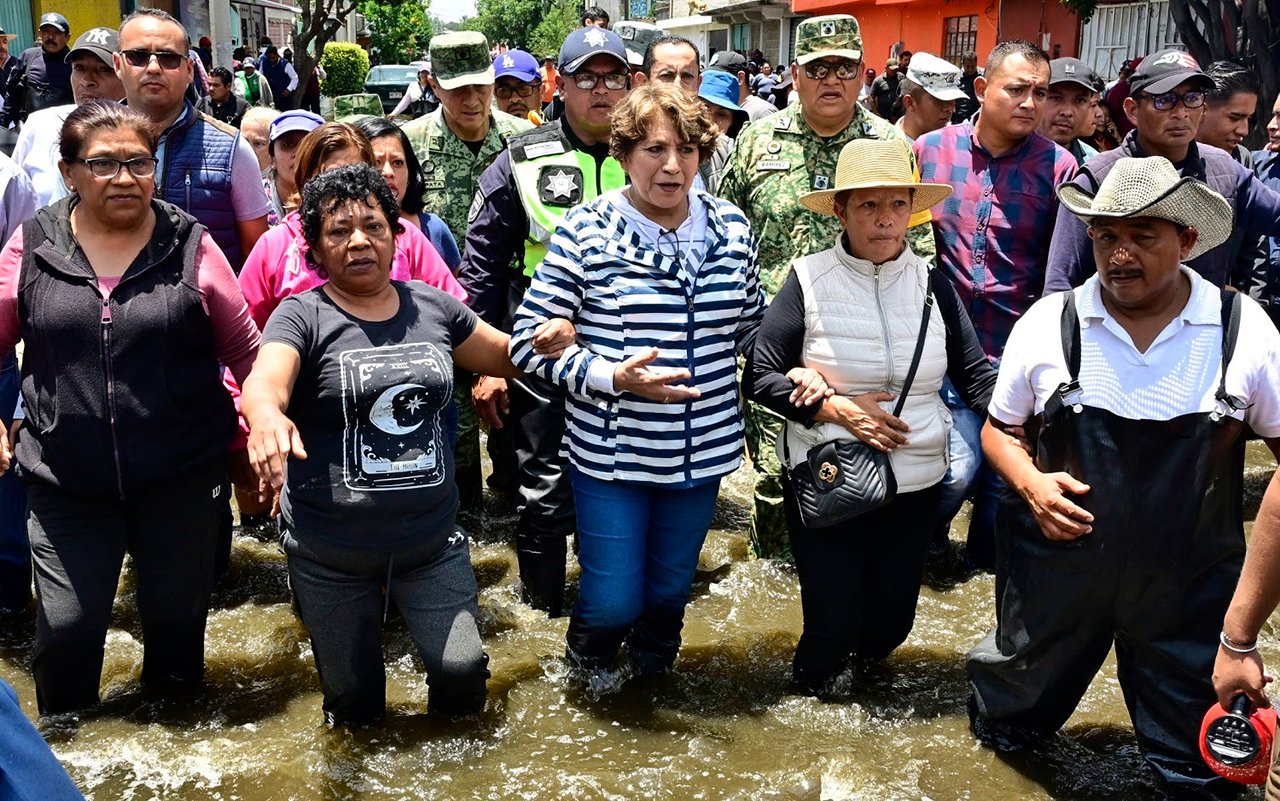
<point x="15" y="550"/>
<point x="638" y="547"/>
<point x="969" y="477"/>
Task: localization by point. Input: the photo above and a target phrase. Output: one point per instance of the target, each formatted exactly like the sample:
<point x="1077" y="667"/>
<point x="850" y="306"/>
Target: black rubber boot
<point x="541" y="559"/>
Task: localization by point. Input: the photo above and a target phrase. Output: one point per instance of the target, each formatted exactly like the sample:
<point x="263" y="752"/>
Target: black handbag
<point x="841" y="479"/>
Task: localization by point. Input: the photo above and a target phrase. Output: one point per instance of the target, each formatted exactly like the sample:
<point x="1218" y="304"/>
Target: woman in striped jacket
<point x="662" y="286"/>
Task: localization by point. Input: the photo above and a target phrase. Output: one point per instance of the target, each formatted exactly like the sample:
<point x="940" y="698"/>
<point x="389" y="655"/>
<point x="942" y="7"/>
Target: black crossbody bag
<point x="841" y="479"/>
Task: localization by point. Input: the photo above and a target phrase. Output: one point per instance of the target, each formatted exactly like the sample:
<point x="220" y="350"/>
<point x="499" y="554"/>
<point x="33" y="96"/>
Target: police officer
<point x="521" y="200"/>
<point x="454" y="144"/>
<point x="776" y="160"/>
<point x="42" y="77"/>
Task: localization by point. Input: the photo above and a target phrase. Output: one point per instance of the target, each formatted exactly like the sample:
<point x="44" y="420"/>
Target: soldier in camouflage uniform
<point x="463" y="81"/>
<point x="776" y="160"/>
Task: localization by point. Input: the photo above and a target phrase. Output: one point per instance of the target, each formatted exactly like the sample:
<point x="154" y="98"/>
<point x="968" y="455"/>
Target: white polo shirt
<point x="1177" y="375"/>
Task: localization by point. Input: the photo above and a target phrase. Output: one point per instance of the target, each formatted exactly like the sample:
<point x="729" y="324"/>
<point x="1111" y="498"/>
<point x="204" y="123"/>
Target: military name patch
<point x="539" y="149"/>
<point x="764" y="165"/>
<point x="560" y="185"/>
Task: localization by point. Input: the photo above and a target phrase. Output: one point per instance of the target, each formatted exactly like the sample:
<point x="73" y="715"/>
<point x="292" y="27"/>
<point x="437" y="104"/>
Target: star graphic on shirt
<point x="414" y="404"/>
<point x="594" y="37"/>
<point x="561" y="184"/>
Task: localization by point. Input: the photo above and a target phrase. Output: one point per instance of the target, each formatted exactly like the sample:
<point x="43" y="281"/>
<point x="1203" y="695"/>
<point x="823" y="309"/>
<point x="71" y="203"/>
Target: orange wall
<point x="1031" y="20"/>
<point x="918" y="24"/>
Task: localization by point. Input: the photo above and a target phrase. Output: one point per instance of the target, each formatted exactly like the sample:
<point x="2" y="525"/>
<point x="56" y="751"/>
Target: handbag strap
<point x="915" y="357"/>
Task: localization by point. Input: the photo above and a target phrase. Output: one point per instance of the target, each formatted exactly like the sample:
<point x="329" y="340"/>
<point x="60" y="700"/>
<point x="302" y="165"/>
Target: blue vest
<point x="197" y="177"/>
<point x="276" y="76"/>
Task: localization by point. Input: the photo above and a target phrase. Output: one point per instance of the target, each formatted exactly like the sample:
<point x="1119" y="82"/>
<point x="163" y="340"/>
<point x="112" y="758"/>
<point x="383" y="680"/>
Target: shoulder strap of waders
<point x="1069" y="326"/>
<point x="1230" y="332"/>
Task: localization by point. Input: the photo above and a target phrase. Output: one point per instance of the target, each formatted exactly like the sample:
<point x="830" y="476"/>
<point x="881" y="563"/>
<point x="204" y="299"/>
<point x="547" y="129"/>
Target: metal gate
<point x="1120" y="32"/>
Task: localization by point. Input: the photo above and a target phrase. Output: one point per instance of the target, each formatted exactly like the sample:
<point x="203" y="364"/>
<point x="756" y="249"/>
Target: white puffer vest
<point x="861" y="324"/>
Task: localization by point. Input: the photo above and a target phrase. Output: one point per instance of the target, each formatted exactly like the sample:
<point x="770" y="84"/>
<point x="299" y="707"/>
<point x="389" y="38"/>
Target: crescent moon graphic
<point x="383" y="414"/>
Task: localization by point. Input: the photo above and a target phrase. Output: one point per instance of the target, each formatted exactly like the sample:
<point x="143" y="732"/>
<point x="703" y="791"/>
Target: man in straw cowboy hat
<point x="854" y="313"/>
<point x="774" y="162"/>
<point x="1125" y="525"/>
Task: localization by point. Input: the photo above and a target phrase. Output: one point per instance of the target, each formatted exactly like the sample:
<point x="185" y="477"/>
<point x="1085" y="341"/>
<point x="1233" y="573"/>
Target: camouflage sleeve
<point x="732" y="184"/>
<point x="920" y="237"/>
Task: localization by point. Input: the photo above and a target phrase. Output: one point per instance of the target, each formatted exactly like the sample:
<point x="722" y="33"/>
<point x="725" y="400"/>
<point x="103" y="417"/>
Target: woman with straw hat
<point x="882" y="328"/>
<point x="1124" y="522"/>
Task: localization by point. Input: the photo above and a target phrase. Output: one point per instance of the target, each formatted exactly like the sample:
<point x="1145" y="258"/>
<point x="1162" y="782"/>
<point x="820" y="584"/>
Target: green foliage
<point x="401" y="28"/>
<point x="509" y="21"/>
<point x="559" y="22"/>
<point x="1083" y="8"/>
<point x="345" y="66"/>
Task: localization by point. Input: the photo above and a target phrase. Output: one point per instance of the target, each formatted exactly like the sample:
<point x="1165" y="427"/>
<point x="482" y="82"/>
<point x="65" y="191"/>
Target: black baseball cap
<point x="728" y="61"/>
<point x="1166" y="70"/>
<point x="1071" y="70"/>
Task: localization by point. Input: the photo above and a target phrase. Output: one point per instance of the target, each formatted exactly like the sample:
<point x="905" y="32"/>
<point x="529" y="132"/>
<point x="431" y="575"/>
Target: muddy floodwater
<point x="724" y="725"/>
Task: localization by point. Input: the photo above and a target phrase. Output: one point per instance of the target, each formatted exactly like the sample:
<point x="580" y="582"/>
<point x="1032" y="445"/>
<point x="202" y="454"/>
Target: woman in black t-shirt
<point x="345" y="406"/>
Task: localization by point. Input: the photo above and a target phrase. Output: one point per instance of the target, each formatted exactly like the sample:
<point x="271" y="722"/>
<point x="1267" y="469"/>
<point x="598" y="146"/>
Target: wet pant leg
<point x="968" y="477"/>
<point x="172" y="531"/>
<point x="1054" y="627"/>
<point x="77" y="546"/>
<point x="547" y="510"/>
<point x="768" y="527"/>
<point x="638" y="548"/>
<point x="466" y="452"/>
<point x="15" y="550"/>
<point x="340" y="601"/>
<point x="436" y="597"/>
<point x="1165" y="650"/>
<point x="859" y="583"/>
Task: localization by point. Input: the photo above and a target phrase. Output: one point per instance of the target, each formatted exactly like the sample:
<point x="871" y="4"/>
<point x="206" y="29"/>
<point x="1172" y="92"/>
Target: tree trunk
<point x="317" y="26"/>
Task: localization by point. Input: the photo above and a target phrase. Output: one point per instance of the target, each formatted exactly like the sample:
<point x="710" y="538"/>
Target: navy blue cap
<point x="517" y="64"/>
<point x="56" y="20"/>
<point x="585" y="43"/>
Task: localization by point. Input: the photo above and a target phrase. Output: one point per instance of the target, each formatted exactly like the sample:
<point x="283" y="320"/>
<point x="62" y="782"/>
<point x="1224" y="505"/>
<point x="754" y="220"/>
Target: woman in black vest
<point x="127" y="309"/>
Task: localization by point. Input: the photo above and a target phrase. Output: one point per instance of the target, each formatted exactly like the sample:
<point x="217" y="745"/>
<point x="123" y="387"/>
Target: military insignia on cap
<point x="821" y="182"/>
<point x="628" y="33"/>
<point x="827" y="29"/>
<point x="559" y="185"/>
<point x="595" y="37"/>
<point x="1069" y="69"/>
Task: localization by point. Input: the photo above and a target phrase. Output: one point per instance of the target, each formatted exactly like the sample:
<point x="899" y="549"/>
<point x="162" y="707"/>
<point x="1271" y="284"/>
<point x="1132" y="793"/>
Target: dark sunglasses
<point x="142" y="58"/>
<point x="524" y="89"/>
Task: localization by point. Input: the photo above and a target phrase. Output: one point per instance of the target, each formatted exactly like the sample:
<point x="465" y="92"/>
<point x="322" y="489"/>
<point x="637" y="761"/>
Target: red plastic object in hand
<point x="1237" y="744"/>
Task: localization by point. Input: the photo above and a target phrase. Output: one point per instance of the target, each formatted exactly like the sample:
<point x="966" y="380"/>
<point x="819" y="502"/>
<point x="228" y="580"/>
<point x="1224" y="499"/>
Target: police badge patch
<point x="560" y="185"/>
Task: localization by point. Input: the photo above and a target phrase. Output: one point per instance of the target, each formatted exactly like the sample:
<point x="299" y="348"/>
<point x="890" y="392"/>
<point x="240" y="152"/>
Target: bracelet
<point x="1236" y="647"/>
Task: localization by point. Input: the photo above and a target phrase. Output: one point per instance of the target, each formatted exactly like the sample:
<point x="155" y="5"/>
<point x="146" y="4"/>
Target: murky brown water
<point x="723" y="726"/>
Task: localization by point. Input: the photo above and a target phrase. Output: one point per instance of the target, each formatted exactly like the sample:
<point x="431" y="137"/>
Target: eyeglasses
<point x="526" y="89"/>
<point x="1166" y="101"/>
<point x="845" y="70"/>
<point x="108" y="168"/>
<point x="142" y="58"/>
<point x="588" y="80"/>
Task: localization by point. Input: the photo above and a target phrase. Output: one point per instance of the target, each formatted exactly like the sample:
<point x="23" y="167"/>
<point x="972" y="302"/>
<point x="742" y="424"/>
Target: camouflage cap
<point x="823" y="37"/>
<point x="461" y="59"/>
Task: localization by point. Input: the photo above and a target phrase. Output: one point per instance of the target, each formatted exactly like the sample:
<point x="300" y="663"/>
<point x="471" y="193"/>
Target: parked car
<point x="388" y="81"/>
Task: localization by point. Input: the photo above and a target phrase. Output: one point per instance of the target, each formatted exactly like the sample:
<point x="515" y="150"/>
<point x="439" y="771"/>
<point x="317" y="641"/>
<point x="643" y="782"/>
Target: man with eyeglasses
<point x="1166" y="104"/>
<point x="42" y="77"/>
<point x="992" y="234"/>
<point x="517" y="85"/>
<point x="455" y="144"/>
<point x="521" y="200"/>
<point x="775" y="161"/>
<point x="93" y="77"/>
<point x="206" y="168"/>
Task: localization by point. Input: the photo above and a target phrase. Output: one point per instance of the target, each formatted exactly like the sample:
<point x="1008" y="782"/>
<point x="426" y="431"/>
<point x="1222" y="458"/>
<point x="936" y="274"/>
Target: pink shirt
<point x="277" y="267"/>
<point x="234" y="333"/>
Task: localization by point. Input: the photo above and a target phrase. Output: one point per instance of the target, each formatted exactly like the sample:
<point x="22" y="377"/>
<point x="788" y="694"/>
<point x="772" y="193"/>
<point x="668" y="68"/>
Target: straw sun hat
<point x="1151" y="187"/>
<point x="875" y="164"/>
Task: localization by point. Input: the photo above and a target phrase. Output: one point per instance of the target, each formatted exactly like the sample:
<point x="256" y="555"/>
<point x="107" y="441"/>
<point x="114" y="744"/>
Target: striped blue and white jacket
<point x="624" y="297"/>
